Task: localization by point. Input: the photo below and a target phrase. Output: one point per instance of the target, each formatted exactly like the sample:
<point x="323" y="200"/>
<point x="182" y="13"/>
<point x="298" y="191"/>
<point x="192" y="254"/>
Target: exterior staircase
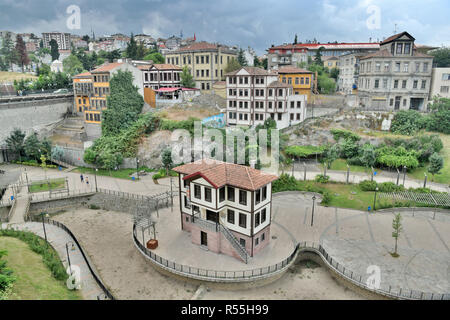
<point x="71" y="132"/>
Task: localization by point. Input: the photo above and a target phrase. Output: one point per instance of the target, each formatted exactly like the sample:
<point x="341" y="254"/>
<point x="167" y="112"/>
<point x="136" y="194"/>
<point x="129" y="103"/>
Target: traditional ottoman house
<point x="226" y="207"/>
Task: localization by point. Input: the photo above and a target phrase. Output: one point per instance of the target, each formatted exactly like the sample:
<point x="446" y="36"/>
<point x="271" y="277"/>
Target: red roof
<point x="292" y="70"/>
<point x="107" y="67"/>
<point x="199" y="46"/>
<point x="219" y="173"/>
<point x="82" y="75"/>
<point x="172" y="89"/>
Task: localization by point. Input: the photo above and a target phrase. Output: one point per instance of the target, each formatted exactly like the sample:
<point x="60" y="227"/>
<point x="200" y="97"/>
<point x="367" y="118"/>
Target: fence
<point x="46" y="196"/>
<point x="94" y="274"/>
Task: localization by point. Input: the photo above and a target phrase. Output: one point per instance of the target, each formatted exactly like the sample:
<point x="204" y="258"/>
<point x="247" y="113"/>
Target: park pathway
<point x="58" y="238"/>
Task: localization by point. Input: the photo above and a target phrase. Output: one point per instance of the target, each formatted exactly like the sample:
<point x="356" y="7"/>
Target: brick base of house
<point x="219" y="244"/>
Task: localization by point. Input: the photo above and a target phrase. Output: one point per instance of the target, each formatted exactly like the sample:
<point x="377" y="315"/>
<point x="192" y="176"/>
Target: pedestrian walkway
<point x="58" y="238"/>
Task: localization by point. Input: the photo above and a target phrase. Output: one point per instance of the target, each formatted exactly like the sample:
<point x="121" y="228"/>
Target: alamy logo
<point x="374" y="280"/>
<point x="73" y="22"/>
<point x="374" y="20"/>
<point x="74" y="280"/>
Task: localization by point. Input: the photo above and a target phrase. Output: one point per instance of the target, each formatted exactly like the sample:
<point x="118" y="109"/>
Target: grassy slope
<point x="34" y="279"/>
<point x="11" y="76"/>
<point x="43" y="186"/>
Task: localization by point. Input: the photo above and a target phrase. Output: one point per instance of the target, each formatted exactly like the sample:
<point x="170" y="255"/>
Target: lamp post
<point x="68" y="256"/>
<point x="375" y="199"/>
<point x="43" y="226"/>
<point x="404" y="175"/>
<point x="312" y="215"/>
<point x="137" y="168"/>
<point x="95" y="177"/>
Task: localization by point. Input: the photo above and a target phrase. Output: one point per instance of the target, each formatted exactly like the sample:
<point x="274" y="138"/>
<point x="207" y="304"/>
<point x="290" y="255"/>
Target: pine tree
<point x="187" y="80"/>
<point x="15" y="142"/>
<point x="436" y="164"/>
<point x="295" y="39"/>
<point x="8" y="51"/>
<point x="241" y="58"/>
<point x="54" y="52"/>
<point x="22" y="56"/>
<point x="132" y="49"/>
<point x="318" y="57"/>
<point x="232" y="65"/>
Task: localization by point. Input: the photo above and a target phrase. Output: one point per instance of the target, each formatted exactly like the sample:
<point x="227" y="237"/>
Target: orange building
<point x="83" y="90"/>
<point x="300" y="79"/>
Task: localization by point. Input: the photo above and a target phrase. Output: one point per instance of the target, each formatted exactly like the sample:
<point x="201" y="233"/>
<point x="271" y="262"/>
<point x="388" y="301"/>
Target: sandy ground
<point x="177" y="113"/>
<point x="107" y="237"/>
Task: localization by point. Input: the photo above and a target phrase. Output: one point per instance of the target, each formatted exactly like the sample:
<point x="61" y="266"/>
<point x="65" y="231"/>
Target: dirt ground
<point x="107" y="238"/>
<point x="184" y="113"/>
<point x="11" y="76"/>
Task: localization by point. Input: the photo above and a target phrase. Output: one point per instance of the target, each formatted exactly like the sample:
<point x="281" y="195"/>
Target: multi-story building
<point x="292" y="54"/>
<point x="173" y="42"/>
<point x="330" y="62"/>
<point x="254" y="95"/>
<point x="440" y="83"/>
<point x="300" y="79"/>
<point x="83" y="90"/>
<point x="206" y="62"/>
<point x="62" y="39"/>
<point x="146" y="40"/>
<point x="395" y="77"/>
<point x="226" y="207"/>
<point x="158" y="76"/>
<point x="349" y="72"/>
<point x="96" y="88"/>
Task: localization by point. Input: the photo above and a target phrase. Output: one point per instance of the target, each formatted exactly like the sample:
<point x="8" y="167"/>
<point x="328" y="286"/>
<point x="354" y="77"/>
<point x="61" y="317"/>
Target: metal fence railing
<point x="106" y="291"/>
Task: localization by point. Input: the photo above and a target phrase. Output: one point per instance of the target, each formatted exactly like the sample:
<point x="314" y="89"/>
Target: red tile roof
<point x="386" y="54"/>
<point x="203" y="45"/>
<point x="253" y="71"/>
<point x="82" y="75"/>
<point x="396" y="36"/>
<point x="219" y="173"/>
<point x="107" y="67"/>
<point x="278" y="84"/>
<point x="292" y="70"/>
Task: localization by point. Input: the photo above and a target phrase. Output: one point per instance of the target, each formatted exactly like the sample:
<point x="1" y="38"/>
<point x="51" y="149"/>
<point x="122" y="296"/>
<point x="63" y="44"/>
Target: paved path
<point x="58" y="239"/>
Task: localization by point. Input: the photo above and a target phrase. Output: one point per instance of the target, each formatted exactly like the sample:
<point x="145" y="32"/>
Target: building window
<point x="242" y="242"/>
<point x="263" y="237"/>
<point x="385" y="82"/>
<point x="279" y="116"/>
<point x="242" y="220"/>
<point x="407" y="48"/>
<point x="258" y="196"/>
<point x="415" y="84"/>
<point x="377" y="83"/>
<point x="230" y="216"/>
<point x="406" y="67"/>
<point x="257" y="216"/>
<point x="424" y="84"/>
<point x="391" y="102"/>
<point x="270" y="92"/>
<point x="264" y="193"/>
<point x="397" y="67"/>
<point x="256" y="241"/>
<point x="425" y="67"/>
<point x="222" y="194"/>
<point x="197" y="193"/>
<point x="186" y="203"/>
<point x="263" y="215"/>
<point x="208" y="194"/>
<point x="230" y="190"/>
<point x="404" y="84"/>
<point x="399" y="48"/>
<point x="444" y="89"/>
<point x="396" y="84"/>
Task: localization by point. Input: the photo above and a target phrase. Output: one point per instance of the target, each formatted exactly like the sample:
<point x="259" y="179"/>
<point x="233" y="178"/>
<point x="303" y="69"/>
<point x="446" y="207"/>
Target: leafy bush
<point x="389" y="187"/>
<point x="407" y="122"/>
<point x="397" y="157"/>
<point x="439" y="118"/>
<point x="367" y="185"/>
<point x="6" y="277"/>
<point x="348" y="148"/>
<point x="303" y="151"/>
<point x="284" y="183"/>
<point x="322" y="179"/>
<point x="339" y="134"/>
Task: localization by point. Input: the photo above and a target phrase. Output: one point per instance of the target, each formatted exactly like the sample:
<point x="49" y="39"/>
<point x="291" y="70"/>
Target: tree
<point x="436" y="164"/>
<point x="58" y="152"/>
<point x="331" y="154"/>
<point x="124" y="104"/>
<point x="72" y="65"/>
<point x="256" y="62"/>
<point x="397" y="226"/>
<point x="8" y="51"/>
<point x="132" y="48"/>
<point x="187" y="80"/>
<point x="241" y="58"/>
<point x="166" y="158"/>
<point x="440" y="116"/>
<point x="441" y="57"/>
<point x="318" y="57"/>
<point x="141" y="51"/>
<point x="22" y="56"/>
<point x="32" y="147"/>
<point x="368" y="155"/>
<point x="232" y="65"/>
<point x="3" y="64"/>
<point x="334" y="73"/>
<point x="155" y="56"/>
<point x="295" y="39"/>
<point x="264" y="63"/>
<point x="54" y="52"/>
<point x="15" y="142"/>
<point x="86" y="38"/>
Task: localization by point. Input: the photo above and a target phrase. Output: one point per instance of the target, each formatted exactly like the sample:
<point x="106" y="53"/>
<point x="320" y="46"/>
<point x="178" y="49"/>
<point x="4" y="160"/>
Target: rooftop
<point x="107" y="67"/>
<point x="219" y="173"/>
<point x="387" y="54"/>
<point x="292" y="70"/>
<point x="253" y="71"/>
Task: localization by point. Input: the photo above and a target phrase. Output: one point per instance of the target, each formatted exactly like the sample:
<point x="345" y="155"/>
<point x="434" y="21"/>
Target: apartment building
<point x="286" y="55"/>
<point x="440" y="83"/>
<point x="62" y="39"/>
<point x="395" y="77"/>
<point x="300" y="79"/>
<point x="157" y="76"/>
<point x="83" y="90"/>
<point x="255" y="94"/>
<point x="349" y="72"/>
<point x="206" y="62"/>
<point x="226" y="207"/>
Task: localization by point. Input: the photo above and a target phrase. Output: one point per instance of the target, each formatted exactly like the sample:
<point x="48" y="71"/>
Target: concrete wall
<point x="30" y="115"/>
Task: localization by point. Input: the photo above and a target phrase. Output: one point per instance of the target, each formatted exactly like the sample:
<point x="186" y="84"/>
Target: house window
<point x="425" y="67"/>
<point x="415" y="84"/>
<point x="444" y="89"/>
<point x="385" y="82"/>
<point x="279" y="116"/>
<point x="231" y="189"/>
<point x="396" y="84"/>
<point x="377" y="83"/>
<point x="404" y="84"/>
<point x="257" y="221"/>
<point x="258" y="195"/>
<point x="405" y="67"/>
<point x="208" y="194"/>
<point x="186" y="203"/>
<point x="263" y="237"/>
<point x="399" y="48"/>
<point x="407" y="48"/>
<point x="197" y="193"/>
<point x="242" y="220"/>
<point x="397" y="67"/>
<point x="222" y="194"/>
<point x="424" y="84"/>
<point x="256" y="241"/>
<point x="230" y="216"/>
<point x="242" y="242"/>
<point x="270" y="92"/>
<point x="263" y="215"/>
<point x="264" y="193"/>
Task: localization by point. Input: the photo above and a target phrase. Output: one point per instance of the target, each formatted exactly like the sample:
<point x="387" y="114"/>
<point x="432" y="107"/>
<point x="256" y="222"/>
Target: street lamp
<point x="137" y="168"/>
<point x="95" y="177"/>
<point x="43" y="225"/>
<point x="68" y="256"/>
<point x="375" y="198"/>
<point x="312" y="216"/>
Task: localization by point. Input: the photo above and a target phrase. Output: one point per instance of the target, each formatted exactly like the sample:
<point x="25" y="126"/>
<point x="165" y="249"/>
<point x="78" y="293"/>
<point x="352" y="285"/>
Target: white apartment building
<point x="348" y="72"/>
<point x="254" y="95"/>
<point x="62" y="39"/>
<point x="157" y="76"/>
<point x="440" y="83"/>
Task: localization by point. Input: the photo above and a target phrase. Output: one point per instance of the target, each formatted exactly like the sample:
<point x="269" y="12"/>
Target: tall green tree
<point x="187" y="80"/>
<point x="155" y="56"/>
<point x="232" y="65"/>
<point x="22" y="55"/>
<point x="124" y="104"/>
<point x="8" y="51"/>
<point x="32" y="146"/>
<point x="166" y="159"/>
<point x="436" y="164"/>
<point x="54" y="52"/>
<point x="295" y="39"/>
<point x="318" y="57"/>
<point x="132" y="48"/>
<point x="397" y="226"/>
<point x="15" y="142"/>
<point x="441" y="57"/>
<point x="241" y="58"/>
<point x="72" y="65"/>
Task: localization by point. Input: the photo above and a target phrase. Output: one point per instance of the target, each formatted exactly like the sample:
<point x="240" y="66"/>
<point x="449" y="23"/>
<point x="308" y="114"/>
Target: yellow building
<point x="300" y="79"/>
<point x="330" y="62"/>
<point x="206" y="62"/>
<point x="83" y="90"/>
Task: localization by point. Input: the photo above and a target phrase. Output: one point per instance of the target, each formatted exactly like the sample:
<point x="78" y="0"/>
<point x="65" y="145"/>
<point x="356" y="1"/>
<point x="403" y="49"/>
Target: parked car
<point x="61" y="91"/>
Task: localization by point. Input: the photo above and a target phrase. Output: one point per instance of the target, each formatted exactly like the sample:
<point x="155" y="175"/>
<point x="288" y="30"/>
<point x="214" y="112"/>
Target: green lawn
<point x="34" y="279"/>
<point x="121" y="173"/>
<point x="40" y="186"/>
<point x="341" y="165"/>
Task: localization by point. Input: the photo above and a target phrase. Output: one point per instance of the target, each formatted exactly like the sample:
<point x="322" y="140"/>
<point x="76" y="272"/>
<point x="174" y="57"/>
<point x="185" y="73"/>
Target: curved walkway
<point x="58" y="238"/>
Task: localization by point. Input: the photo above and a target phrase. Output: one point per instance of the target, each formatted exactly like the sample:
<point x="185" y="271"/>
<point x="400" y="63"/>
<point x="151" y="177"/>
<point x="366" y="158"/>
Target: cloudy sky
<point x="255" y="23"/>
